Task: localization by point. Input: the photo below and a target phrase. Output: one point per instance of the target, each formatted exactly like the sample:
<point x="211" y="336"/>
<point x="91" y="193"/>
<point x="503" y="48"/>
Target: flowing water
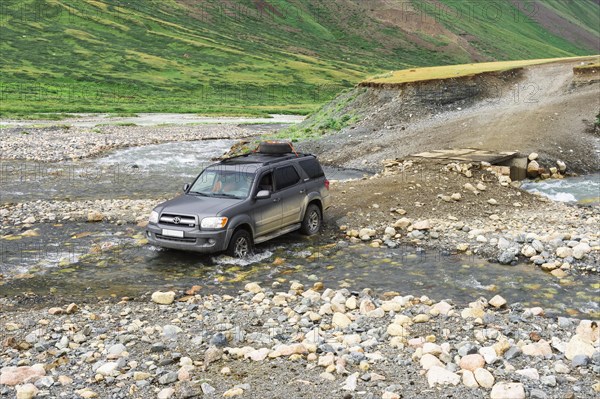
<point x="581" y="189"/>
<point x="75" y="261"/>
<point x="152" y="171"/>
<point x="82" y="260"/>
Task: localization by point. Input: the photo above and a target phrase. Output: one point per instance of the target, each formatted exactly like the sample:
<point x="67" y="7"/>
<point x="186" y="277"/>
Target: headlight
<point x="213" y="223"/>
<point x="153" y="217"/>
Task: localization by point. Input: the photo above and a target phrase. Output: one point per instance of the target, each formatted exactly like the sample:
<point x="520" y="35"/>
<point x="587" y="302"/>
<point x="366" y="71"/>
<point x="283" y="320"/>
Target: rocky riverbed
<point x="266" y="342"/>
<point x="315" y="342"/>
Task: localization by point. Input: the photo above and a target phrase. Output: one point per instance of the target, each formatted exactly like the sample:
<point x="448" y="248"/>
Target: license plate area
<point x="172" y="233"/>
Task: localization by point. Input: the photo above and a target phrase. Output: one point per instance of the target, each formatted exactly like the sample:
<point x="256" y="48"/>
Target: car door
<point x="267" y="212"/>
<point x="290" y="188"/>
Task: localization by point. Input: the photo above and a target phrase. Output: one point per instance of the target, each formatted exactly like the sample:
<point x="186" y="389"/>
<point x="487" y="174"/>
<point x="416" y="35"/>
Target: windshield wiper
<point x="202" y="194"/>
<point x="227" y="195"/>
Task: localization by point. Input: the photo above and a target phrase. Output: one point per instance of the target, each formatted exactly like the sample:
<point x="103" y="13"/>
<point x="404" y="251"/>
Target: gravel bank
<point x="68" y="143"/>
<point x="268" y="342"/>
<point x="27" y="214"/>
<point x="463" y="208"/>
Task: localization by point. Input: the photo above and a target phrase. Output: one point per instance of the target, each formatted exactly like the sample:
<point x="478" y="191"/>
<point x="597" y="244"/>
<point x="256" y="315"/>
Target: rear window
<point x="312" y="168"/>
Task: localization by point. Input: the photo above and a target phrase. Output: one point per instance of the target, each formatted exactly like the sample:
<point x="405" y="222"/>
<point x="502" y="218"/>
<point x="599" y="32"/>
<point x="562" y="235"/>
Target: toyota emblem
<point x="176" y="220"/>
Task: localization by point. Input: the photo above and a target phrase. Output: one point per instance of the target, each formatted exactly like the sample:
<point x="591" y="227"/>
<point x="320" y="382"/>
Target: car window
<point x="223" y="183"/>
<point x="286" y="177"/>
<point x="312" y="168"/>
<point x="266" y="182"/>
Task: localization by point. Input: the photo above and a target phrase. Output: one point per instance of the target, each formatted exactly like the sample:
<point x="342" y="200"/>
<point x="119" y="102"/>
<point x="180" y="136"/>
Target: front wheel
<point x="240" y="244"/>
<point x="311" y="224"/>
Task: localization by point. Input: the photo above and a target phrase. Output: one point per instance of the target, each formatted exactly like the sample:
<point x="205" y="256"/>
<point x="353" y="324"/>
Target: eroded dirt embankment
<point x="544" y="109"/>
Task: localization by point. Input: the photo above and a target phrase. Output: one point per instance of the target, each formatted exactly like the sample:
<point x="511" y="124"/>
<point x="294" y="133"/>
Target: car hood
<point x="197" y="205"/>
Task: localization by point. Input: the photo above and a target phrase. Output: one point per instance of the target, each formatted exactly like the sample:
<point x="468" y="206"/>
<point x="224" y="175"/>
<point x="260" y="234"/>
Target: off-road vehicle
<point x="244" y="200"/>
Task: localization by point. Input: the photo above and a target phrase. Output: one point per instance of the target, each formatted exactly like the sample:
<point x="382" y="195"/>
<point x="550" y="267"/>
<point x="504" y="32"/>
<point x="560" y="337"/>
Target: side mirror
<point x="263" y="194"/>
<point x="186" y="187"/>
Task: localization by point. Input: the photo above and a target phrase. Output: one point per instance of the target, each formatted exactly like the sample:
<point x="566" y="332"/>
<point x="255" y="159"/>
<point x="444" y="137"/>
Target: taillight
<point x="327" y="184"/>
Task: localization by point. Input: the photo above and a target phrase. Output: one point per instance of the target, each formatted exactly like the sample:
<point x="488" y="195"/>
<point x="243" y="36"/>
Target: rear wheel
<point x="240" y="244"/>
<point x="311" y="224"/>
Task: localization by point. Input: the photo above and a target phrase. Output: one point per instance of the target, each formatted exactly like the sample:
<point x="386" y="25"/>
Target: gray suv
<point x="242" y="201"/>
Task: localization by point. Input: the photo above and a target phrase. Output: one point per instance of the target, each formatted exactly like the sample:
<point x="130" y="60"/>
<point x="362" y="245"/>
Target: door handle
<point x="276" y="199"/>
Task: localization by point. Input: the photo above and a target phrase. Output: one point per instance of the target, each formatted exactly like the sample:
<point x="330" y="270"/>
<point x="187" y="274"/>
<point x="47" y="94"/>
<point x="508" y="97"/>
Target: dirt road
<point x="541" y="108"/>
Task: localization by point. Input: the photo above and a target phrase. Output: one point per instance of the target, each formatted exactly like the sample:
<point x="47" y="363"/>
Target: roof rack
<point x="235" y="157"/>
<point x="265" y="159"/>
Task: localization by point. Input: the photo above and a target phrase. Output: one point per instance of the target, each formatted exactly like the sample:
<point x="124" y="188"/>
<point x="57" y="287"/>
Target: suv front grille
<point x="176" y="239"/>
<point x="178" y="220"/>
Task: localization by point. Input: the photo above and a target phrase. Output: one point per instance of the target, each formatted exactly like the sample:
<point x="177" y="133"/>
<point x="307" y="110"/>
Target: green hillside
<point x="248" y="56"/>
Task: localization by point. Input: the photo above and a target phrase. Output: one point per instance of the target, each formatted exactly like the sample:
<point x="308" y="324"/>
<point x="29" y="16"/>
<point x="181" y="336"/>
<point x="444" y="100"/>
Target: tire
<point x="273" y="147"/>
<point x="311" y="224"/>
<point x="240" y="244"/>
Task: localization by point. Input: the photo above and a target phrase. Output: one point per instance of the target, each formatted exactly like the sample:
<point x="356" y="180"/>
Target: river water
<point x="81" y="260"/>
<point x="152" y="171"/>
<point x="581" y="189"/>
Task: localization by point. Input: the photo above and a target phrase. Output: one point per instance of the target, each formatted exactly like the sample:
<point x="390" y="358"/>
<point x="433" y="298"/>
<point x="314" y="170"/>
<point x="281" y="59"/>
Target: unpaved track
<point x="540" y="112"/>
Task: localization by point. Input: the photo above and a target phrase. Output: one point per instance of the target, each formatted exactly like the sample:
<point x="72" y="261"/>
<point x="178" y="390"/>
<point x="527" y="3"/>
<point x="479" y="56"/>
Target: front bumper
<point x="206" y="241"/>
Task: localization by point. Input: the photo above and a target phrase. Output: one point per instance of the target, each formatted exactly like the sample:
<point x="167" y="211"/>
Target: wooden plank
<point x="469" y="155"/>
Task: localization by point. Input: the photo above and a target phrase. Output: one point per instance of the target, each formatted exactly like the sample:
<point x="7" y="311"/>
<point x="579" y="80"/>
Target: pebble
<point x="537" y="394"/>
<point x="506" y="390"/>
<point x="489" y="354"/>
<point x="422" y="225"/>
<point x="230" y="393"/>
<point x="207" y="389"/>
<point x="108" y="369"/>
<point x="87" y="393"/>
<point x="484" y="378"/>
<point x="497" y="301"/>
<point x="513" y="352"/>
<point x="166" y="393"/>
<point x="351" y="382"/>
<point x="427" y="361"/>
<point x="580" y="360"/>
<point x="440" y="376"/>
<point x="17" y="375"/>
<point x="163" y="298"/>
<point x="530" y="373"/>
<point x="471" y="362"/>
<point x="548" y="380"/>
<point x="26" y="391"/>
<point x="340" y="320"/>
<point x="468" y="379"/>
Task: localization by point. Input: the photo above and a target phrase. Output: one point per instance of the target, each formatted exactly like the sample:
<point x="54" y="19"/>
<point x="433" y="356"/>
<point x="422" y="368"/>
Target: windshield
<point x="216" y="182"/>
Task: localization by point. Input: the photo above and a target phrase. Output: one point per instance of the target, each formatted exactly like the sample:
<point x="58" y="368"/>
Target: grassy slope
<point x="242" y="56"/>
<point x="585" y="14"/>
<point x="456" y="71"/>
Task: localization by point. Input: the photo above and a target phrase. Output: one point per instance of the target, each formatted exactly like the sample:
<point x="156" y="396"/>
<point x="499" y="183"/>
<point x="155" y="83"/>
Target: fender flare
<point x="234" y="223"/>
<point x="311" y="197"/>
